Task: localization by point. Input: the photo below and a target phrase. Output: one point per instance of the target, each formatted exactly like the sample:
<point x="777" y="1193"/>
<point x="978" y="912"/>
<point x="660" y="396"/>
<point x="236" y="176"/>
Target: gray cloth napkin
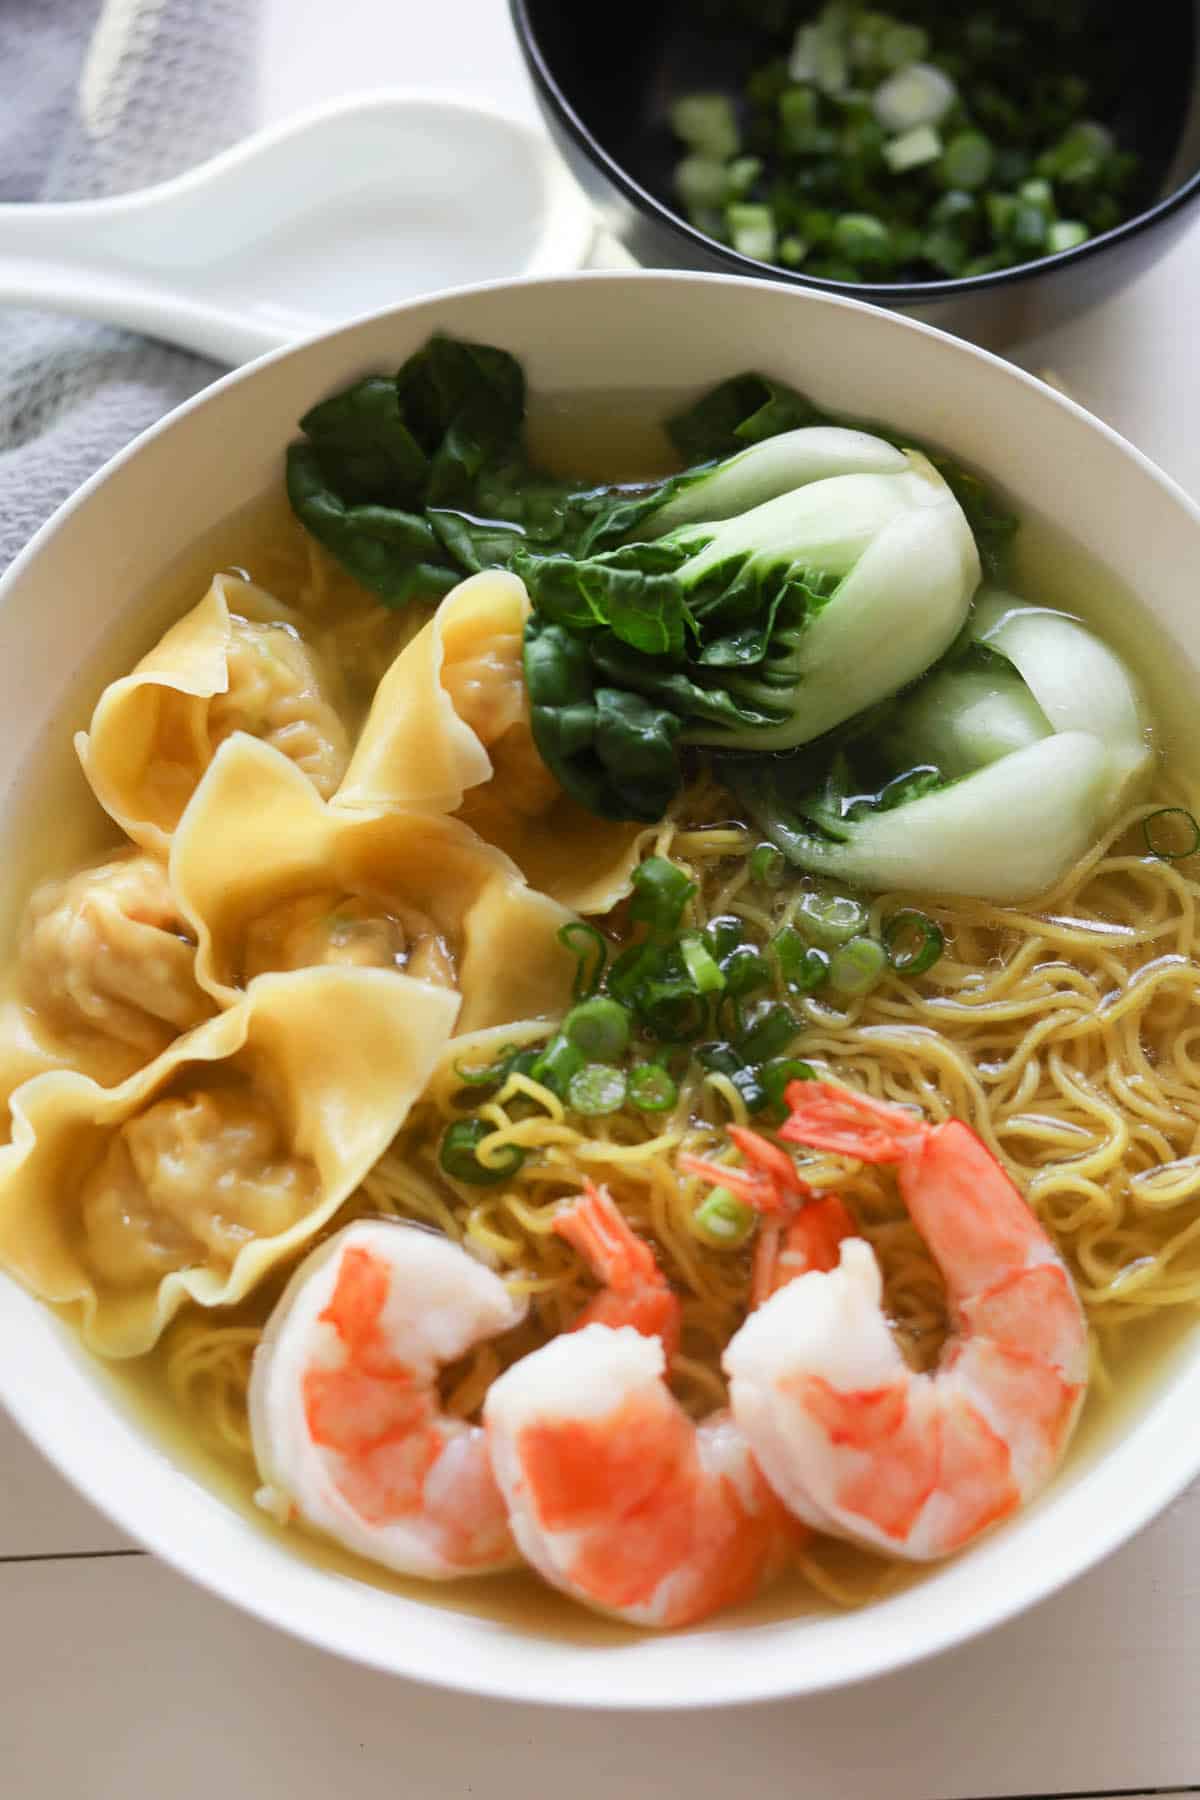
<point x="100" y="98"/>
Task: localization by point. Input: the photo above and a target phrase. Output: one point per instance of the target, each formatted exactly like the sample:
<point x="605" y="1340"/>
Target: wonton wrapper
<point x="257" y="834"/>
<point x="153" y="733"/>
<point x="341" y="1053"/>
<point x="448" y="732"/>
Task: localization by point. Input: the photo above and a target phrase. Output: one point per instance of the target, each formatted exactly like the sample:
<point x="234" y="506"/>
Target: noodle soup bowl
<point x="77" y="606"/>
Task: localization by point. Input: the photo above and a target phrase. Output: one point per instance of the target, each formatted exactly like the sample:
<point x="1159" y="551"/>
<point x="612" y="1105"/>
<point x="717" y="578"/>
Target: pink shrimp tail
<point x="850" y="1124"/>
<point x="635" y="1291"/>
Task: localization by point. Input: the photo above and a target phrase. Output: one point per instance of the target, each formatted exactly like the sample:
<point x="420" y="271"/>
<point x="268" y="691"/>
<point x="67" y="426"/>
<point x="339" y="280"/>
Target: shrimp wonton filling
<point x="191" y="1179"/>
<point x="275" y="693"/>
<point x="351" y="930"/>
<point x="107" y="951"/>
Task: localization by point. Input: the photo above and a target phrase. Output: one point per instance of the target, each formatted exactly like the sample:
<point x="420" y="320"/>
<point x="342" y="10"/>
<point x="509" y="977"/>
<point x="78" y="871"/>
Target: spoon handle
<point x="82" y="258"/>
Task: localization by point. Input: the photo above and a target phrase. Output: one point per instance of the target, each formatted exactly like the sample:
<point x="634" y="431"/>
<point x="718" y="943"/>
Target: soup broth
<point x="190" y="1388"/>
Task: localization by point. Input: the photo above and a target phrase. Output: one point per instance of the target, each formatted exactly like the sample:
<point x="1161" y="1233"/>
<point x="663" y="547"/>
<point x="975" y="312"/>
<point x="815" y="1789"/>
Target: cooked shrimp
<point x="614" y="1494"/>
<point x="344" y="1412"/>
<point x="853" y="1440"/>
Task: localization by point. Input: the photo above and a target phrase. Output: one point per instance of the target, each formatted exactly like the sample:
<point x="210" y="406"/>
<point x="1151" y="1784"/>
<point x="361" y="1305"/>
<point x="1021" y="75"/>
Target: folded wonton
<point x="236" y="662"/>
<point x="199" y="1173"/>
<point x="273" y="878"/>
<point x="449" y="732"/>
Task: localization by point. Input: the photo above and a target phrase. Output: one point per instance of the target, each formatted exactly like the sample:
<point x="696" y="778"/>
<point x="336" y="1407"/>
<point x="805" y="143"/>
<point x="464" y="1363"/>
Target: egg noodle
<point x="1065" y="1033"/>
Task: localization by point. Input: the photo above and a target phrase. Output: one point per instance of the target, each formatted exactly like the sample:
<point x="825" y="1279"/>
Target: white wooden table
<point x="119" y="1681"/>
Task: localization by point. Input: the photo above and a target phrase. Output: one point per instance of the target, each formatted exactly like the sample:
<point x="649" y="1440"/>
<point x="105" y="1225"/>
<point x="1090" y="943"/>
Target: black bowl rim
<point x="888" y="293"/>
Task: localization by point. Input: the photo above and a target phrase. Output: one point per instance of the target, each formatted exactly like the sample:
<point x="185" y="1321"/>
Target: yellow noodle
<point x="1064" y="1032"/>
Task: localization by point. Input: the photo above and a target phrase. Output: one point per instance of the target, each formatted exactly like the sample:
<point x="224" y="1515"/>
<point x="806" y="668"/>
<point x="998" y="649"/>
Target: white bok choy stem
<point x="1056" y="755"/>
<point x="908" y="567"/>
<point x="775" y="466"/>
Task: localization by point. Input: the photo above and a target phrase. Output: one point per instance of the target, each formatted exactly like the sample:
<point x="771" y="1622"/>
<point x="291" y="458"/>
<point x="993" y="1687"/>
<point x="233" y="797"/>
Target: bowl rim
<point x="881" y="293"/>
<point x="1169" y="1464"/>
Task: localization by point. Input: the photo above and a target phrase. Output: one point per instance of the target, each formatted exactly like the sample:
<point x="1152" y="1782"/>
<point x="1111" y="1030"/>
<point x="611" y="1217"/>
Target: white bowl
<point x="85" y="576"/>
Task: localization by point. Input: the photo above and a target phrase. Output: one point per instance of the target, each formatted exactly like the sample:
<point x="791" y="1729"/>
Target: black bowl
<point x="606" y="77"/>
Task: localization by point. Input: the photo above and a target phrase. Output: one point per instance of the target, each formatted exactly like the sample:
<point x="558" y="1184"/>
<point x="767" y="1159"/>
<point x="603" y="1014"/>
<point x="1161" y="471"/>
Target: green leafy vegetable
<point x="459" y="1155"/>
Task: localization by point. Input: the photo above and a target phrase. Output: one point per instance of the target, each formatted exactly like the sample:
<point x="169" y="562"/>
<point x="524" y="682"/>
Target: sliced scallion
<point x="651" y="1088"/>
<point x="913" y="942"/>
<point x="1171" y="834"/>
<point x="597" y="1090"/>
<point x="599" y="1029"/>
<point x="722" y="1220"/>
<point x="830" y="919"/>
<point x="768" y="866"/>
<point x="855" y="968"/>
<point x="700" y="964"/>
<point x="590" y="951"/>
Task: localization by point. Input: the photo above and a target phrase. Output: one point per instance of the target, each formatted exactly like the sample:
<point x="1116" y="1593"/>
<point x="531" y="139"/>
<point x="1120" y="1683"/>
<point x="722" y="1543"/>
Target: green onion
<point x="556" y="1064"/>
<point x="913" y="942"/>
<point x="912" y="149"/>
<point x="458" y="1155"/>
<point x="747" y="1084"/>
<point x="746" y="970"/>
<point x="722" y="1220"/>
<point x="768" y="865"/>
<point x="778" y="1075"/>
<point x="855" y="968"/>
<point x="698" y="960"/>
<point x="719" y="1057"/>
<point x="597" y="1090"/>
<point x="725" y="933"/>
<point x="751" y="230"/>
<point x="701" y="182"/>
<point x="830" y="919"/>
<point x="599" y="1029"/>
<point x="661" y="892"/>
<point x="921" y="95"/>
<point x="1171" y="833"/>
<point x="1066" y="234"/>
<point x="672" y="1011"/>
<point x="772" y="1031"/>
<point x="707" y="123"/>
<point x="487" y="1074"/>
<point x="633" y="968"/>
<point x="864" y="238"/>
<point x="651" y="1088"/>
<point x="590" y="951"/>
<point x="967" y="161"/>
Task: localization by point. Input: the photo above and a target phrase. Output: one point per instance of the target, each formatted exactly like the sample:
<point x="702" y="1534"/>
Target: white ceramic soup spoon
<point x="360" y="204"/>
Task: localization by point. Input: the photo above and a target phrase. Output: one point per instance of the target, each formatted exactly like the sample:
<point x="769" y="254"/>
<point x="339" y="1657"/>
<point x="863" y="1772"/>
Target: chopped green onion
<point x="899" y="44"/>
<point x="967" y="161"/>
<point x="913" y="942"/>
<point x="772" y="1031"/>
<point x="855" y="968"/>
<point x="912" y="149"/>
<point x="721" y="1219"/>
<point x="698" y="960"/>
<point x="707" y="123"/>
<point x="719" y="1058"/>
<point x="745" y="970"/>
<point x="803" y="968"/>
<point x="486" y="1074"/>
<point x="725" y="933"/>
<point x="864" y="238"/>
<point x="768" y="865"/>
<point x="672" y="1011"/>
<point x="597" y="1090"/>
<point x="1066" y="234"/>
<point x="746" y="1083"/>
<point x="778" y="1075"/>
<point x="651" y="1088"/>
<point x="459" y="1159"/>
<point x="701" y="181"/>
<point x="751" y="230"/>
<point x="741" y="175"/>
<point x="916" y="96"/>
<point x="556" y="1064"/>
<point x="599" y="1028"/>
<point x="1171" y="833"/>
<point x="633" y="968"/>
<point x="590" y="951"/>
<point x="661" y="892"/>
<point x="830" y="919"/>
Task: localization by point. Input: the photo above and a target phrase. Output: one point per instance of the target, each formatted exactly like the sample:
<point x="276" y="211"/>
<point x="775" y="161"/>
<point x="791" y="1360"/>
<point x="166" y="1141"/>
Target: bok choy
<point x="761" y="631"/>
<point x="990" y="778"/>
